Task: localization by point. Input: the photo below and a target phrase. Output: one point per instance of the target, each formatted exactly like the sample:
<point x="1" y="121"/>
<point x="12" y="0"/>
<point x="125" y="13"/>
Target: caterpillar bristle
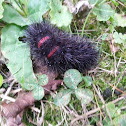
<point x="59" y="50"/>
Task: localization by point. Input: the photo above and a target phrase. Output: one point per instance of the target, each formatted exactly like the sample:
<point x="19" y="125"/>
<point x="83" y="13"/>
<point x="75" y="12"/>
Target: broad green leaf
<point x="117" y="121"/>
<point x="85" y="95"/>
<point x="120" y="120"/>
<point x="59" y="14"/>
<point x="88" y="80"/>
<point x="24" y="2"/>
<point x="113" y="111"/>
<point x="35" y="6"/>
<point x="15" y="4"/>
<point x="18" y="54"/>
<point x="29" y="86"/>
<point x="72" y="78"/>
<point x="20" y="5"/>
<point x="42" y="79"/>
<point x="63" y="97"/>
<point x="12" y="16"/>
<point x="1" y="9"/>
<point x="120" y="38"/>
<point x="121" y="20"/>
<point x="94" y="1"/>
<point x="38" y="92"/>
<point x="103" y="12"/>
<point x="106" y="122"/>
<point x="1" y="80"/>
<point x="35" y="9"/>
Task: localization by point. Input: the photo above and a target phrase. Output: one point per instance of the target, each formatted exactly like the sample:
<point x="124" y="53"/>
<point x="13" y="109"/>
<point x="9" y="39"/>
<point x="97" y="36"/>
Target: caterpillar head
<point x="37" y="34"/>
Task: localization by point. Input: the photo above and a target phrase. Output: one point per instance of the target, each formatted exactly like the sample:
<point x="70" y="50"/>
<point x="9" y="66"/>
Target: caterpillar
<point x="60" y="51"/>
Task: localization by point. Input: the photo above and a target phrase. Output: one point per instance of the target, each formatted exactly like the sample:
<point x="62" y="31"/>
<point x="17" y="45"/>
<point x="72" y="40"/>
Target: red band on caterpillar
<point x="42" y="41"/>
<point x="52" y="52"/>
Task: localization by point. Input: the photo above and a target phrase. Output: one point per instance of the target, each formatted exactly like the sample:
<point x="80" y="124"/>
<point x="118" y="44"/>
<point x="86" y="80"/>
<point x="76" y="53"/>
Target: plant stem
<point x="21" y="7"/>
<point x="85" y="22"/>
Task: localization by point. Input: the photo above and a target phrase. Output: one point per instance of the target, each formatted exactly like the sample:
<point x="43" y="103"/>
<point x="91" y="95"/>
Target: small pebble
<point x="107" y="93"/>
<point x="116" y="92"/>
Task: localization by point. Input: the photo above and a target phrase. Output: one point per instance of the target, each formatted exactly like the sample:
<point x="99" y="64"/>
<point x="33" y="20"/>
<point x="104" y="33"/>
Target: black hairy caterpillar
<point x="60" y="51"/>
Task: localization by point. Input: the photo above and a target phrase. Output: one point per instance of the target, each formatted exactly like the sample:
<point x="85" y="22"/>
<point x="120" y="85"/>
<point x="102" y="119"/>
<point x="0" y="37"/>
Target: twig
<point x="40" y="120"/>
<point x="35" y="109"/>
<point x="124" y="107"/>
<point x="94" y="111"/>
<point x="7" y="98"/>
<point x="16" y="91"/>
<point x="114" y="87"/>
<point x="2" y="90"/>
<point x="121" y="4"/>
<point x="119" y="62"/>
<point x="9" y="89"/>
<point x="71" y="111"/>
<point x="107" y="71"/>
<point x="99" y="94"/>
<point x="121" y="77"/>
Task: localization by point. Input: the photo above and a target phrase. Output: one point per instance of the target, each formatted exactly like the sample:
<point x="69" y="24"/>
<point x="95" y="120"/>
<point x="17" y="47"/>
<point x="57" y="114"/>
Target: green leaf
<point x="85" y="95"/>
<point x="36" y="8"/>
<point x="88" y="80"/>
<point x="117" y="121"/>
<point x="12" y="16"/>
<point x="120" y="38"/>
<point x="29" y="86"/>
<point x="1" y="9"/>
<point x="24" y="3"/>
<point x="116" y="3"/>
<point x="113" y="111"/>
<point x="103" y="12"/>
<point x="38" y="92"/>
<point x="121" y="20"/>
<point x="18" y="54"/>
<point x="34" y="11"/>
<point x="72" y="78"/>
<point x="59" y="14"/>
<point x="1" y="80"/>
<point x="42" y="79"/>
<point x="104" y="36"/>
<point x="63" y="97"/>
<point x="15" y="4"/>
<point x="5" y="85"/>
<point x="113" y="24"/>
<point x="94" y="1"/>
<point x="120" y="120"/>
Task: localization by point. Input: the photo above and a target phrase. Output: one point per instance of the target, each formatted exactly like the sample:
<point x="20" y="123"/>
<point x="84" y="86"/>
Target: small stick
<point x="93" y="111"/>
